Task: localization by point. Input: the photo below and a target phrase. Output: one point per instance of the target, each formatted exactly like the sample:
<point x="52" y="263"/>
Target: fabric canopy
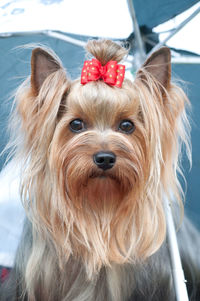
<point x="151" y="13"/>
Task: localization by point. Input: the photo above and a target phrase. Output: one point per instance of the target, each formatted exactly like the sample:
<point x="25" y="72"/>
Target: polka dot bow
<point x="112" y="73"/>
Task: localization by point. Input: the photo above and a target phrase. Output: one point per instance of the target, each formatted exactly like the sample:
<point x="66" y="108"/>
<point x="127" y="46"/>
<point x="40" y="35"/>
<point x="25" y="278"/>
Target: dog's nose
<point x="104" y="160"/>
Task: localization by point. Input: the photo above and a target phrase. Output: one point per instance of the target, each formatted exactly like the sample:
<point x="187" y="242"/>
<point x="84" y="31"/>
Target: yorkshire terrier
<point x="99" y="155"/>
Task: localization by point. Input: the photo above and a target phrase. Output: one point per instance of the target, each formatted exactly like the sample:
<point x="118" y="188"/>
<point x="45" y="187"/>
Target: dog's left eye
<point x="126" y="126"/>
<point x="77" y="125"/>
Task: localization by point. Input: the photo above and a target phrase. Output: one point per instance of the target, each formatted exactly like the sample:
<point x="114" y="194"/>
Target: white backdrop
<point x="96" y="18"/>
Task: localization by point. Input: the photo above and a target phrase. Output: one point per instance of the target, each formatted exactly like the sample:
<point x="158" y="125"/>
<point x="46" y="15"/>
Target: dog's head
<point x="100" y="157"/>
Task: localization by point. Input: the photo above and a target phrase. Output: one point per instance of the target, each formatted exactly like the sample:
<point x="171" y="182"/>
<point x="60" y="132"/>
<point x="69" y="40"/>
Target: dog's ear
<point x="42" y="65"/>
<point x="159" y="66"/>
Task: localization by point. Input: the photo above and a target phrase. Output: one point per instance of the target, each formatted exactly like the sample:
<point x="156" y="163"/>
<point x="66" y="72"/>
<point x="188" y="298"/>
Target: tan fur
<point x="100" y="221"/>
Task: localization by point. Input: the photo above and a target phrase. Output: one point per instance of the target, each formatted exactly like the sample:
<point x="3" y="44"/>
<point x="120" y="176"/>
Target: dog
<point x="99" y="154"/>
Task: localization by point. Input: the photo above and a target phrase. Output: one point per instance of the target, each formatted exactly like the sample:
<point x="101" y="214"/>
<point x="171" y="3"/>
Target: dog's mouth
<point x="105" y="178"/>
<point x="99" y="176"/>
<point x="103" y="175"/>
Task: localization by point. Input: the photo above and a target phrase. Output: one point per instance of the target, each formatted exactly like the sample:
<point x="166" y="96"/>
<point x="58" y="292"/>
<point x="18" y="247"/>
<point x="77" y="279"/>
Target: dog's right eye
<point x="126" y="126"/>
<point x="77" y="125"/>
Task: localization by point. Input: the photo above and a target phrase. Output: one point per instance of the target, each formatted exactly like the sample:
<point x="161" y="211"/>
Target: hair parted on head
<point x="106" y="50"/>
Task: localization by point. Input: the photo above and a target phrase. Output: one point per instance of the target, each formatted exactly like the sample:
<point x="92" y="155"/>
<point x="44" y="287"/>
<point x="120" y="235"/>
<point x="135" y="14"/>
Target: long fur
<point x="89" y="236"/>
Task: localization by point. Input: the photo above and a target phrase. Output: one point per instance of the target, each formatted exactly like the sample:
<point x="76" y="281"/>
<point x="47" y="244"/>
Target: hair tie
<point x="112" y="73"/>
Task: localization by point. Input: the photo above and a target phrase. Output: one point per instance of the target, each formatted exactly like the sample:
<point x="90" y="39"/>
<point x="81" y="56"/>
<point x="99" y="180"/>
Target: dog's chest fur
<point x="129" y="282"/>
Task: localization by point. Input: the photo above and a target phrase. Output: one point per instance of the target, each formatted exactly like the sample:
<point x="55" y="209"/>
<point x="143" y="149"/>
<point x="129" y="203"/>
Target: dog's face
<point x="103" y="156"/>
<point x="99" y="146"/>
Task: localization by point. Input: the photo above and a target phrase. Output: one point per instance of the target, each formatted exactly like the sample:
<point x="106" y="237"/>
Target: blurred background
<point x="65" y="26"/>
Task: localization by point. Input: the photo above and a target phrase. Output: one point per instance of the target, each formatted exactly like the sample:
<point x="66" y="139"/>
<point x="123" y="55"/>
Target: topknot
<point x="106" y="50"/>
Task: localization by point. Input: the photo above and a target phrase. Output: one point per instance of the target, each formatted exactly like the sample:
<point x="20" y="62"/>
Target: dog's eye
<point x="77" y="125"/>
<point x="126" y="126"/>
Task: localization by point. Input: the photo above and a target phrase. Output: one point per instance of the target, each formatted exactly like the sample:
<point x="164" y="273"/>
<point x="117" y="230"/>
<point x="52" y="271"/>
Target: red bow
<point x="112" y="73"/>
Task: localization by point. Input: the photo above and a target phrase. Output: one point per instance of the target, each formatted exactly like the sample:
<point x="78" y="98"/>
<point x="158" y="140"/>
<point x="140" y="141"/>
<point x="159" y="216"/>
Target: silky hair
<point x="68" y="208"/>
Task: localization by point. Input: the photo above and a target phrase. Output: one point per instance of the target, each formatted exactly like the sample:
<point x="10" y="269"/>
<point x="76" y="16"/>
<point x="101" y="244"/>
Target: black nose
<point x="104" y="160"/>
